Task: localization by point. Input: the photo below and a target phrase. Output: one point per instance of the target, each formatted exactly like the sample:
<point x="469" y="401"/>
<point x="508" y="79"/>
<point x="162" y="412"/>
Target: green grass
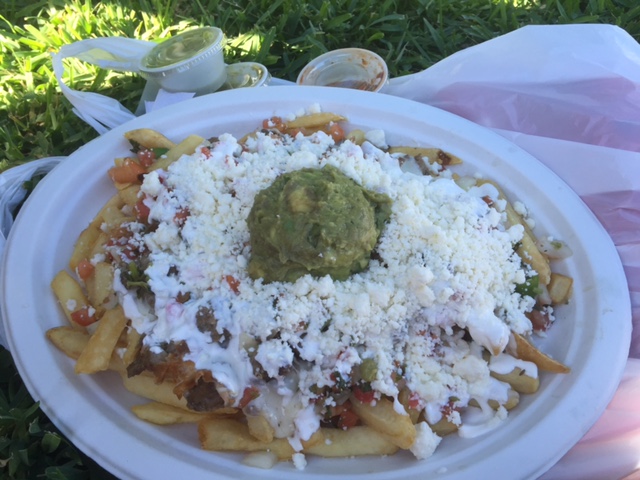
<point x="36" y="120"/>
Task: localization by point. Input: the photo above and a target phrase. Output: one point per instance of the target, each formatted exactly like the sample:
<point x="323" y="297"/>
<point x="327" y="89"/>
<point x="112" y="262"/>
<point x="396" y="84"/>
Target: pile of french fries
<point x="99" y="337"/>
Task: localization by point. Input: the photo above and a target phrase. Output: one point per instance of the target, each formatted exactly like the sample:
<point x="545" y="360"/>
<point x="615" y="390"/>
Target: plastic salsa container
<point x="246" y="74"/>
<point x="354" y="68"/>
<point x="192" y="61"/>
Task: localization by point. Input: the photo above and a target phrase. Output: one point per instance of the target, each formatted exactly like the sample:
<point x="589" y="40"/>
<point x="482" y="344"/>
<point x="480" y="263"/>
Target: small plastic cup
<point x="192" y="61"/>
<point x="355" y="68"/>
<point x="246" y="74"/>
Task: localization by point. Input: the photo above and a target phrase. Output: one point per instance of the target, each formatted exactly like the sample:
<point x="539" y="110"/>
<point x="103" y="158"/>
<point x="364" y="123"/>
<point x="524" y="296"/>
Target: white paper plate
<point x="591" y="335"/>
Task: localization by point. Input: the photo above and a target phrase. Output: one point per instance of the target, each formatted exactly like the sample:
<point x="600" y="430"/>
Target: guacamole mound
<point x="314" y="221"/>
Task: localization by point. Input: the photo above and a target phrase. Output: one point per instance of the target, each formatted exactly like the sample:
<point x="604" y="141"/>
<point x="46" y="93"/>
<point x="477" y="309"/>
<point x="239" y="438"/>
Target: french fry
<point x="519" y="380"/>
<point x="382" y="416"/>
<point x="260" y="428"/>
<point x="68" y="340"/>
<point x="148" y="138"/>
<point x="230" y="435"/>
<point x="69" y="294"/>
<point x="525" y="350"/>
<point x="186" y="147"/>
<point x="433" y="155"/>
<point x="129" y="195"/>
<point x="528" y="249"/>
<point x="444" y="427"/>
<point x="110" y="212"/>
<point x="403" y="398"/>
<point x="560" y="288"/>
<point x="133" y="346"/>
<point x="146" y="386"/>
<point x="84" y="245"/>
<point x="315" y="120"/>
<point x="96" y="356"/>
<point x="356" y="136"/>
<point x="100" y="286"/>
<point x="355" y="441"/>
<point x="163" y="414"/>
<point x="99" y="244"/>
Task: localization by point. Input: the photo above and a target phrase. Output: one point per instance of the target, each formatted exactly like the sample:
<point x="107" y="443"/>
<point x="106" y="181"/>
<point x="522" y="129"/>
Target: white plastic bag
<point x="12" y="193"/>
<point x="571" y="82"/>
<point x="114" y="53"/>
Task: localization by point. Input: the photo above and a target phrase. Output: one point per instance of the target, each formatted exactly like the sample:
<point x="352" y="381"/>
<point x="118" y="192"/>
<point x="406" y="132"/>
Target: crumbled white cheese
<point x="426" y="441"/>
<point x="299" y="461"/>
<point x="446" y="261"/>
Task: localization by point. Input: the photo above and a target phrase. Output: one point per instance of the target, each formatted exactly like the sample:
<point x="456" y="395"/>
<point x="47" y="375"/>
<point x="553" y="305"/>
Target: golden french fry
<point x="186" y="147"/>
<point x="560" y="288"/>
<point x="433" y="155"/>
<point x="148" y="138"/>
<point x="525" y="350"/>
<point x="69" y="294"/>
<point x="356" y="136"/>
<point x="260" y="428"/>
<point x="519" y="380"/>
<point x="129" y="194"/>
<point x="444" y="427"/>
<point x="315" y="120"/>
<point x="163" y="414"/>
<point x="512" y="402"/>
<point x="99" y="244"/>
<point x="100" y="286"/>
<point x="403" y="398"/>
<point x="68" y="340"/>
<point x="84" y="245"/>
<point x="355" y="441"/>
<point x="382" y="416"/>
<point x="528" y="249"/>
<point x="132" y="346"/>
<point x="110" y="210"/>
<point x="222" y="434"/>
<point x="96" y="356"/>
<point x="146" y="386"/>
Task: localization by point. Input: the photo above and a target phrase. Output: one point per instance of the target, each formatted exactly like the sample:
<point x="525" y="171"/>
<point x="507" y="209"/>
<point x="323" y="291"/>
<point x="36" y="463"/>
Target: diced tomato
<point x="142" y="211"/>
<point x="273" y="122"/>
<point x="85" y="269"/>
<point x="129" y="172"/>
<point x="414" y="401"/>
<point x="146" y="157"/>
<point x="347" y="418"/>
<point x="249" y="394"/>
<point x="84" y="316"/>
<point x="363" y="395"/>
<point x="234" y="284"/>
<point x="181" y="216"/>
<point x="336" y="132"/>
<point x="206" y="151"/>
<point x="540" y="321"/>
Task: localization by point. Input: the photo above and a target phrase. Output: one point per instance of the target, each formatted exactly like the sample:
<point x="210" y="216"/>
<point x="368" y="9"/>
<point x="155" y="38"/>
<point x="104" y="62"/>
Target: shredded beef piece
<point x="206" y="322"/>
<point x="203" y="397"/>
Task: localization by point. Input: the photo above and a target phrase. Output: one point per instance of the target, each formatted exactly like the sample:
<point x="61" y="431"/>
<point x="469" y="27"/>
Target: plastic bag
<point x="571" y="82"/>
<point x="114" y="53"/>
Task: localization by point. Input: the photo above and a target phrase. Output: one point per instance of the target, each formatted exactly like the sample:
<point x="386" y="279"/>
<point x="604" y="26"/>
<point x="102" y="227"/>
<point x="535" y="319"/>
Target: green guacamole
<point x="314" y="221"/>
